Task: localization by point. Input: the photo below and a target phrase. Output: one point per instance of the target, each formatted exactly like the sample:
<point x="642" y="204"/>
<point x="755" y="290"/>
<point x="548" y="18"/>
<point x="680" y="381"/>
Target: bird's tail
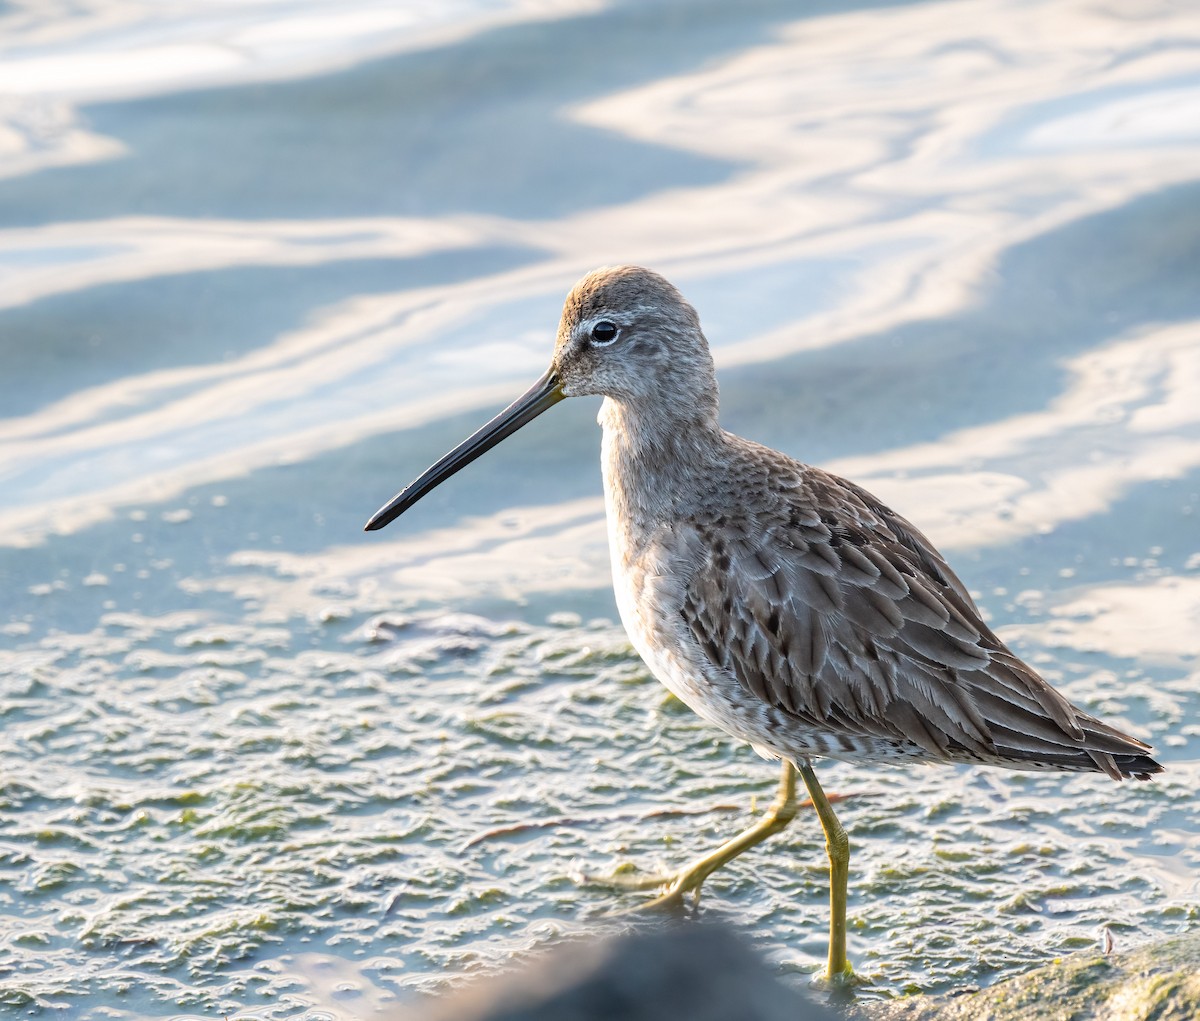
<point x="1120" y="766"/>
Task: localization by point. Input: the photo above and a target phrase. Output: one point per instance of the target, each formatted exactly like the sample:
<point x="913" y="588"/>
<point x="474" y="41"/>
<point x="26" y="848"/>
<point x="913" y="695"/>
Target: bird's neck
<point x="653" y="456"/>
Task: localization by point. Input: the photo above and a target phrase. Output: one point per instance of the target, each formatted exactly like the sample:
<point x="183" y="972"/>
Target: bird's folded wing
<point x="855" y="624"/>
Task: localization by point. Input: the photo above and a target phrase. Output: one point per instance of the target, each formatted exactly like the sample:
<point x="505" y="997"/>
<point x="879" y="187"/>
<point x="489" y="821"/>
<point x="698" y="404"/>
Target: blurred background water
<point x="263" y="261"/>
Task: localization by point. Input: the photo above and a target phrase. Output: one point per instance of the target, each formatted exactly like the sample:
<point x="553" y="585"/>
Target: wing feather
<point x="833" y="609"/>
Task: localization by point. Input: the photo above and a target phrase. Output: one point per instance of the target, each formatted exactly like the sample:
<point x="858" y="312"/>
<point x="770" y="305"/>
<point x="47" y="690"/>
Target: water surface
<point x="263" y="264"/>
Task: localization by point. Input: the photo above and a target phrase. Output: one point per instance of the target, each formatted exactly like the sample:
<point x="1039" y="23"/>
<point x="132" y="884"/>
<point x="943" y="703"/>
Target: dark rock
<point x="697" y="972"/>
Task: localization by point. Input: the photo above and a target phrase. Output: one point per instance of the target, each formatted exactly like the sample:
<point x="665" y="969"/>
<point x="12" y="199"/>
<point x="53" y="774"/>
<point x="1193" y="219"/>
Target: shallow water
<point x="264" y="262"/>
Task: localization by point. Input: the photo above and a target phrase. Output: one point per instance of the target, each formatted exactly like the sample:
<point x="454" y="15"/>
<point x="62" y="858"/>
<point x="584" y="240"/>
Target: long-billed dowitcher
<point x="786" y="605"/>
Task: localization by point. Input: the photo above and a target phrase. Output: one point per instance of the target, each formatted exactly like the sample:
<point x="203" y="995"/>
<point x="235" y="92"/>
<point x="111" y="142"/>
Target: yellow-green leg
<point x="837" y="845"/>
<point x="691" y="876"/>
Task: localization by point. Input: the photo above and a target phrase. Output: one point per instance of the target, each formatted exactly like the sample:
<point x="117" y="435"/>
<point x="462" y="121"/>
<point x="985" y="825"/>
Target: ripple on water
<point x="213" y="803"/>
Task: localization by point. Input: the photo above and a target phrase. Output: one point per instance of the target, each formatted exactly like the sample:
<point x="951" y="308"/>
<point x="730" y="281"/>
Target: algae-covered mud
<point x="1159" y="981"/>
<point x="264" y="262"/>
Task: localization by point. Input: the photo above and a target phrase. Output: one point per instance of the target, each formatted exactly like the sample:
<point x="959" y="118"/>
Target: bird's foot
<point x="626" y="877"/>
<point x="843" y="982"/>
<point x="674" y="886"/>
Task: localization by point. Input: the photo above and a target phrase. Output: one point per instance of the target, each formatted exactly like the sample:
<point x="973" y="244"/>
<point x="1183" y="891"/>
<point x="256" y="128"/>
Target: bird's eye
<point x="604" y="332"/>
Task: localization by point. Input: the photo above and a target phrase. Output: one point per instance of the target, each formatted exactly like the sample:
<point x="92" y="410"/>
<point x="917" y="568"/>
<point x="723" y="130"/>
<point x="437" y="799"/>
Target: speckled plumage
<point x="786" y="605"/>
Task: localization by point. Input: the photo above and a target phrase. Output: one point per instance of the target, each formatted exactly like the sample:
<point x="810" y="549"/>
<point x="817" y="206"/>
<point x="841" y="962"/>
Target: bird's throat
<point x="650" y="457"/>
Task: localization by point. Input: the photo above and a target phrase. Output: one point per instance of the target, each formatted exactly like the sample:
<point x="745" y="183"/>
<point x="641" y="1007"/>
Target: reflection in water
<point x="1129" y="414"/>
<point x="829" y="185"/>
<point x="1155" y="621"/>
<point x="946" y="249"/>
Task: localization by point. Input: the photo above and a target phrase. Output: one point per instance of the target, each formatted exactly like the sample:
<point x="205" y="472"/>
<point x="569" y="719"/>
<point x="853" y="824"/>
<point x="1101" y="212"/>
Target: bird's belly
<point x="650" y="613"/>
<point x="711" y="694"/>
<point x="651" y="619"/>
<point x="649" y="590"/>
<point x="656" y="630"/>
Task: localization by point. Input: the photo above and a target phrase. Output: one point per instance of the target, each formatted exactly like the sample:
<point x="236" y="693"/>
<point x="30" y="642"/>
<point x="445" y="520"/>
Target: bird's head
<point x="626" y="334"/>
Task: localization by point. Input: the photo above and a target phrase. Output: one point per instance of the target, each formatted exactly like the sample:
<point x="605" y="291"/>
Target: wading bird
<point x="785" y="605"/>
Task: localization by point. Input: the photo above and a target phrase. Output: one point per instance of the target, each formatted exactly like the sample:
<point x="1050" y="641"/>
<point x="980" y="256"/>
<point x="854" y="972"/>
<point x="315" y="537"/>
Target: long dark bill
<point x="544" y="394"/>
